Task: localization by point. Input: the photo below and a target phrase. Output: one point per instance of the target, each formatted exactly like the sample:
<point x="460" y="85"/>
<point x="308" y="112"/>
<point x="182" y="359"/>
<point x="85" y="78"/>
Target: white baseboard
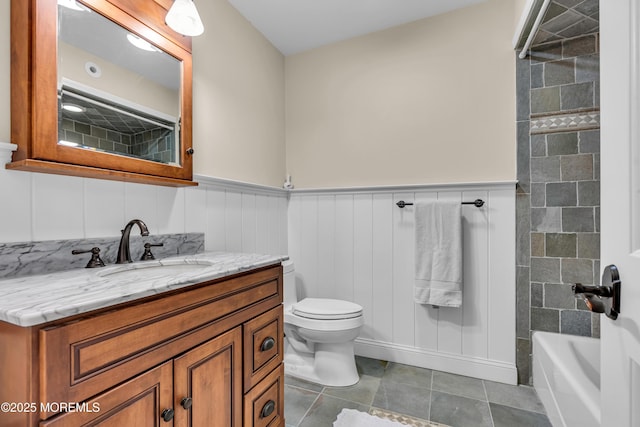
<point x="485" y="369"/>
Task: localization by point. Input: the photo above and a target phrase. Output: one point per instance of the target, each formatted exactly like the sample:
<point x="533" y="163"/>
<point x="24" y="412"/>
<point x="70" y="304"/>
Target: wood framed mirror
<point x="126" y="76"/>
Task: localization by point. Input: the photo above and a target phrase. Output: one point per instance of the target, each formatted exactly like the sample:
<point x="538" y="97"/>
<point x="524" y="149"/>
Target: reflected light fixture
<point x="183" y="18"/>
<point x="70" y="4"/>
<point x="68" y="143"/>
<point x="73" y="108"/>
<point x="141" y="43"/>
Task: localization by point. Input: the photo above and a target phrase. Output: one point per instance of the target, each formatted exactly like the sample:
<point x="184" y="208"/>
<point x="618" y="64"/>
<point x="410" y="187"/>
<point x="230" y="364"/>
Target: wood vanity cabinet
<point x="209" y="355"/>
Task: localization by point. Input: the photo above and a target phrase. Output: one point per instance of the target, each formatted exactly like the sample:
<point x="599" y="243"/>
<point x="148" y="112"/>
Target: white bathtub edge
<point x="559" y="384"/>
<point x="543" y="389"/>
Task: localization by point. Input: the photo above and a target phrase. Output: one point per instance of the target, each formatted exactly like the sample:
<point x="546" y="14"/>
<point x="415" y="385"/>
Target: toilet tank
<point x="289" y="283"/>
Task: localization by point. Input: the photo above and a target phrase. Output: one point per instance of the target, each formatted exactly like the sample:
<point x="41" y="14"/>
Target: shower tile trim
<point x="565" y="122"/>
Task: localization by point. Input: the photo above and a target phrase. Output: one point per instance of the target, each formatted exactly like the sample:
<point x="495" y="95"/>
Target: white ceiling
<point x="294" y="26"/>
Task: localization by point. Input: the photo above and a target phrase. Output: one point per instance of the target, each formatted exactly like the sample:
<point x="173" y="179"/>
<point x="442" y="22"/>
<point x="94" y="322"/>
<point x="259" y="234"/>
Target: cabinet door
<point x="138" y="402"/>
<point x="208" y="383"/>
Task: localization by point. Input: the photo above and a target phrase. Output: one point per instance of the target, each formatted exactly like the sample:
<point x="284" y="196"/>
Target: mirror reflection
<point x="117" y="93"/>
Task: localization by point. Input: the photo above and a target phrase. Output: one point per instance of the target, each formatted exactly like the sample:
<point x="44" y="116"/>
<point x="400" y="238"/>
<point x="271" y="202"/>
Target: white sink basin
<point x="152" y="269"/>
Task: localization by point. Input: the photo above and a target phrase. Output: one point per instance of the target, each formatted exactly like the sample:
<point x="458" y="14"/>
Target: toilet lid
<point x="326" y="309"/>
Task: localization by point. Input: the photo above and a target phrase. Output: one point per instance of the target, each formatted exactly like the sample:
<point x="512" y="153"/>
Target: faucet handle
<point x="147" y="255"/>
<point x="95" y="260"/>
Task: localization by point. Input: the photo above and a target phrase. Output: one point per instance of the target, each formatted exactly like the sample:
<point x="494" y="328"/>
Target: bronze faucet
<point x="124" y="256"/>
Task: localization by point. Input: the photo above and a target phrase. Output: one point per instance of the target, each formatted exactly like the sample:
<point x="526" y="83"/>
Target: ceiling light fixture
<point x="183" y="18"/>
<point x="141" y="43"/>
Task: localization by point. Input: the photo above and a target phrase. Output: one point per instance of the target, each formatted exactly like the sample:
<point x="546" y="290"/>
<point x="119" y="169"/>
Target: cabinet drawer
<point x="264" y="404"/>
<point x="80" y="359"/>
<point x="263" y="346"/>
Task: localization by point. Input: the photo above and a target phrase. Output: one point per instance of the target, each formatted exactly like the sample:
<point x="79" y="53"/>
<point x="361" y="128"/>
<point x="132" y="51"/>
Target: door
<point x="141" y="402"/>
<point x="620" y="200"/>
<point x="208" y="383"/>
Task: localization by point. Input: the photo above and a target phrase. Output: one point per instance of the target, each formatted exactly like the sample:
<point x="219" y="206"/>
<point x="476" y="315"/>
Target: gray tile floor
<point x="436" y="396"/>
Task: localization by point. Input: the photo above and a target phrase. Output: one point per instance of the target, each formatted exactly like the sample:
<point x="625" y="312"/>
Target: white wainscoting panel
<point x="242" y="217"/>
<point x="235" y="217"/>
<point x="359" y="246"/>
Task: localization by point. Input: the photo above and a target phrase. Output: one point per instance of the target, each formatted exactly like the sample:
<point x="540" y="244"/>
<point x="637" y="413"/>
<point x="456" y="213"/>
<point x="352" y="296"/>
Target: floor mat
<point x="404" y="419"/>
<point x="379" y="418"/>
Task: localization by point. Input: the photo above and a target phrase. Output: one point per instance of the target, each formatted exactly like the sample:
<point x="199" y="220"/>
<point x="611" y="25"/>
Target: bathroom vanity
<point x="190" y="341"/>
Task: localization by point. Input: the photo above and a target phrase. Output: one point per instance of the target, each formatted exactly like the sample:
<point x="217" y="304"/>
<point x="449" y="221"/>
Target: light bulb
<point x="183" y="18"/>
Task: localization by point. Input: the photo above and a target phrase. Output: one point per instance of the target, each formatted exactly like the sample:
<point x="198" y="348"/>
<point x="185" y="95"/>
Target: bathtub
<point x="566" y="376"/>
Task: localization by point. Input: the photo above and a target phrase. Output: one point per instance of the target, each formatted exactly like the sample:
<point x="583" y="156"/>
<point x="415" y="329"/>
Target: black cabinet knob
<point x="186" y="402"/>
<point x="267" y="409"/>
<point x="167" y="414"/>
<point x="267" y="344"/>
<point x="190" y="151"/>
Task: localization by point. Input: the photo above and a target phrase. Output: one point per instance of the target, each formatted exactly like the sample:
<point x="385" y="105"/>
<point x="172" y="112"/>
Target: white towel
<point x="438" y="279"/>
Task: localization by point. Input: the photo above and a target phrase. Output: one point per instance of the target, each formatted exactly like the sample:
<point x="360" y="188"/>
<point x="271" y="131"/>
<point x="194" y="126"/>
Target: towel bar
<point x="478" y="203"/>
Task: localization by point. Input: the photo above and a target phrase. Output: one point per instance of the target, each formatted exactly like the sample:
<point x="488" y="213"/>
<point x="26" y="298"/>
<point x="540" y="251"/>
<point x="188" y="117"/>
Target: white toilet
<point x="319" y="336"/>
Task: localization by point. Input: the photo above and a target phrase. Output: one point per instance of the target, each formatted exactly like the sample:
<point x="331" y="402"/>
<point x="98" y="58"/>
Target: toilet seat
<point x="326" y="309"/>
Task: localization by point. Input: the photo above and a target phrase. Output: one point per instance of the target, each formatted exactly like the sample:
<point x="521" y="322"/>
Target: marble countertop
<point x="32" y="300"/>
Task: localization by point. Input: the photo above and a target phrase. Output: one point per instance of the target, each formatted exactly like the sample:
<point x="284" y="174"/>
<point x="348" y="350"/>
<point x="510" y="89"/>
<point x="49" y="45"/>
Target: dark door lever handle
<point x="601" y="291"/>
<point x="604" y="298"/>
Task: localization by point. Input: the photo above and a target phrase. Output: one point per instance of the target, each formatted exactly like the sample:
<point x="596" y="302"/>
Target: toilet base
<point x="333" y="365"/>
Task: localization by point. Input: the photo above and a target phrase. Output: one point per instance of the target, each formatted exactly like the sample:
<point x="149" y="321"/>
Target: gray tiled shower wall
<point x="558" y="197"/>
<point x="156" y="144"/>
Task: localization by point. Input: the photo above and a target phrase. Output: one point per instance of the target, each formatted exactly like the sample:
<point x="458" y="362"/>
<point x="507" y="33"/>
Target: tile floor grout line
<point x="375" y="389"/>
<point x="309" y="408"/>
<point x="486" y="395"/>
<point x="533" y="411"/>
<point x="430" y="396"/>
